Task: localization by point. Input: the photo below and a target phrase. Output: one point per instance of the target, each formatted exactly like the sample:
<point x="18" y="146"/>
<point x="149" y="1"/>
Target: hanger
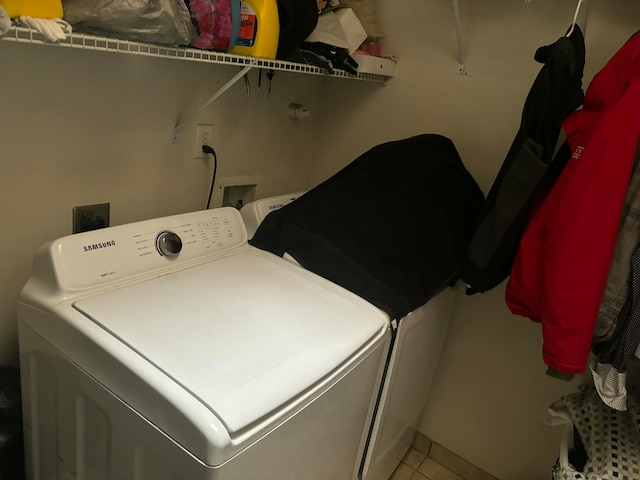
<point x="575" y="19"/>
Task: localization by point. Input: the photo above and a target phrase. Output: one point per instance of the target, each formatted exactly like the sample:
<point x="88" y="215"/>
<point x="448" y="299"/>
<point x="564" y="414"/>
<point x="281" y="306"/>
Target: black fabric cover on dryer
<point x="392" y="226"/>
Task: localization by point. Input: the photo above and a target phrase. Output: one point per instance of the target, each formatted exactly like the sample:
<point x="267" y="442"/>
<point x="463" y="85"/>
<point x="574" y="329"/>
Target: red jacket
<point x="561" y="267"/>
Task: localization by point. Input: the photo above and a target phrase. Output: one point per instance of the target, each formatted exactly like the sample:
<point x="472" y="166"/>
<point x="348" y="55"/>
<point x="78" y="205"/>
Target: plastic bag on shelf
<point x="216" y="23"/>
<point x="153" y="21"/>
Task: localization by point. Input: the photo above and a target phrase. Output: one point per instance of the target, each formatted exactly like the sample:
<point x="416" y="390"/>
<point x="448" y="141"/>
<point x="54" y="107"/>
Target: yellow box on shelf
<point x="33" y="8"/>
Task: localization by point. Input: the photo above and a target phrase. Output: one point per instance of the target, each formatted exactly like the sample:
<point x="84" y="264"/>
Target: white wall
<point x="490" y="396"/>
<point x="81" y="127"/>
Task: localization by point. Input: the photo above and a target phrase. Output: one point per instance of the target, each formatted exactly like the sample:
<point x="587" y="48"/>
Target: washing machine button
<point x="168" y="243"/>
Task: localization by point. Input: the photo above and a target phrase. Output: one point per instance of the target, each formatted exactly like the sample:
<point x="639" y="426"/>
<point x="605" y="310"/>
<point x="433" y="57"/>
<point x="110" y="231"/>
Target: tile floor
<point x="426" y="460"/>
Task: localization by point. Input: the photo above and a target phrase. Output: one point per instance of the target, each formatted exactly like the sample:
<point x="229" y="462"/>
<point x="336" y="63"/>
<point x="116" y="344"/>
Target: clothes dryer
<point x="254" y="212"/>
<point x="412" y="360"/>
<point x="172" y="349"/>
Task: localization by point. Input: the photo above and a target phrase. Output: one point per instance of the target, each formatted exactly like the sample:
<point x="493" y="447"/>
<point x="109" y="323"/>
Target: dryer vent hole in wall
<point x="238" y="195"/>
<point x="90" y="217"/>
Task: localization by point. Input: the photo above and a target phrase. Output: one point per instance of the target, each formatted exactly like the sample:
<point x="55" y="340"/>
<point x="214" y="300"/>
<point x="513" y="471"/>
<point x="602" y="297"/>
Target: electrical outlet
<point x="90" y="217"/>
<point x="204" y="136"/>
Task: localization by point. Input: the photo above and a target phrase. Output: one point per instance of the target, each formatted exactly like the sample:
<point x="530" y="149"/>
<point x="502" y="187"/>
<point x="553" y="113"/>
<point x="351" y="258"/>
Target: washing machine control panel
<point x="96" y="257"/>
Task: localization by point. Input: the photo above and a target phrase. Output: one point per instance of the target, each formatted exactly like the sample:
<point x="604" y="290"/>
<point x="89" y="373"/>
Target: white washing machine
<point x="413" y="356"/>
<point x="172" y="349"/>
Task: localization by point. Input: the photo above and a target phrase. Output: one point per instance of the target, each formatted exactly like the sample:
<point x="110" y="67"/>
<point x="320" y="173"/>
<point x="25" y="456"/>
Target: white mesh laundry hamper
<point x="611" y="438"/>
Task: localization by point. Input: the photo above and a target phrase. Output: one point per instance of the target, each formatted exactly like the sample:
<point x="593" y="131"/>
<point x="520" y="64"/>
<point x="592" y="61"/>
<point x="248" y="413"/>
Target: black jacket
<point x="556" y="92"/>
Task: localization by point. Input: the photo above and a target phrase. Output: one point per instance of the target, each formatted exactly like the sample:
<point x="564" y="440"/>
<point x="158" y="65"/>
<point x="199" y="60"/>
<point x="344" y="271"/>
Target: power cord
<point x="208" y="149"/>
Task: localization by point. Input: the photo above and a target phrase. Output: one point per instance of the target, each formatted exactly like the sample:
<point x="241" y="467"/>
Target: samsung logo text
<point x="99" y="246"/>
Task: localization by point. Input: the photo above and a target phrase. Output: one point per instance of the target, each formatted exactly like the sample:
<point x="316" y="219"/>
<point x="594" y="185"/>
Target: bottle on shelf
<point x="259" y="29"/>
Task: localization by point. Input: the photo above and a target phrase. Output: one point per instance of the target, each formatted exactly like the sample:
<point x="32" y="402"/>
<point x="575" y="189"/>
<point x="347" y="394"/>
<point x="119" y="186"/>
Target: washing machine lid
<point x="244" y="334"/>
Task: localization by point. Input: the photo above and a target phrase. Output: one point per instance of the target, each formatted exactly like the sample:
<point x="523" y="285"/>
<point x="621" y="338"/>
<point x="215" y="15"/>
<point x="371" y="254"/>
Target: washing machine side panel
<point x="410" y="372"/>
<point x="145" y="388"/>
<point x="75" y="428"/>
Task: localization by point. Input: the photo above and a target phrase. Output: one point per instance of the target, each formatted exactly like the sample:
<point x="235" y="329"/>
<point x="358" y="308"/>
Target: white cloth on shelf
<point x="340" y="29"/>
<point x="5" y="21"/>
<point x="54" y="29"/>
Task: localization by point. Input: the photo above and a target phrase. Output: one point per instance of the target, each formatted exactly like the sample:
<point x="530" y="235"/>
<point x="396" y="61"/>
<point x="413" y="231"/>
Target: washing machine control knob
<point x="168" y="243"/>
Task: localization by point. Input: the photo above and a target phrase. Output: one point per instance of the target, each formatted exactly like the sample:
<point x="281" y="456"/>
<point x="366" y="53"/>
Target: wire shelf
<point x="106" y="44"/>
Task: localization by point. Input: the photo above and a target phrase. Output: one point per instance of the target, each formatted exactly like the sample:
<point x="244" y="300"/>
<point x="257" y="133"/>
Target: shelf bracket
<point x="209" y="101"/>
<point x="461" y="57"/>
